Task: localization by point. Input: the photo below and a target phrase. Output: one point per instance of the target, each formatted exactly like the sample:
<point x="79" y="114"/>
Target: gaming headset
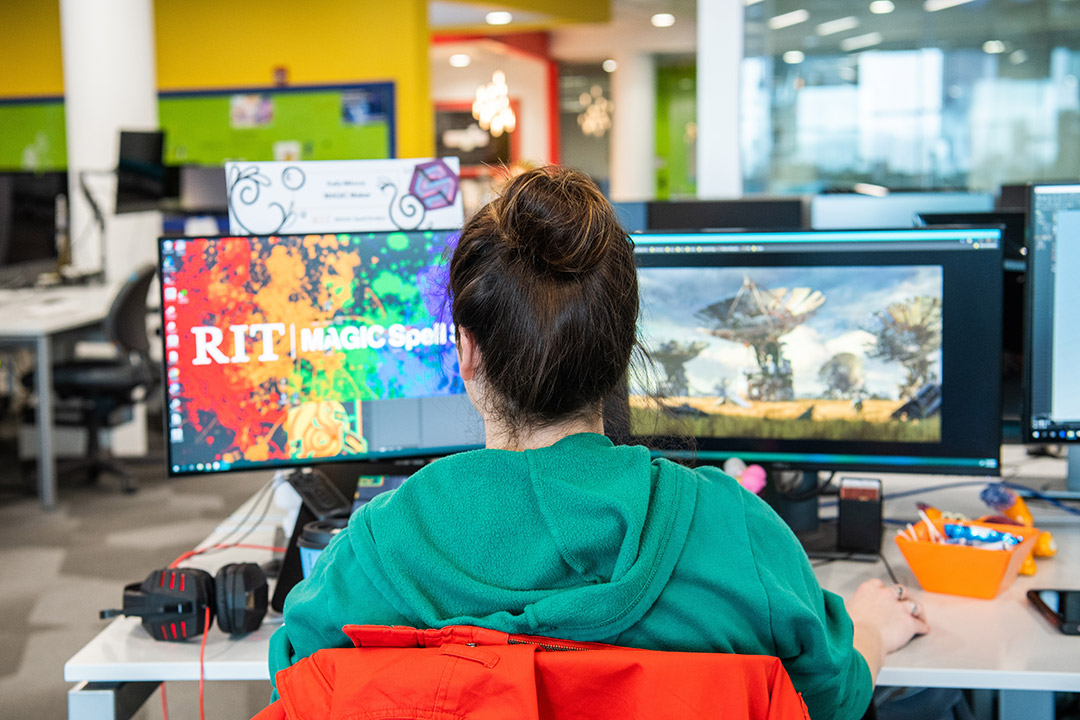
<point x="172" y="602"/>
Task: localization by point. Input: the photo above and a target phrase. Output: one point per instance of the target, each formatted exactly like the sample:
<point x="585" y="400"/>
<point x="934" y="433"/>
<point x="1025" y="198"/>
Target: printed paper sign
<point x="332" y="196"/>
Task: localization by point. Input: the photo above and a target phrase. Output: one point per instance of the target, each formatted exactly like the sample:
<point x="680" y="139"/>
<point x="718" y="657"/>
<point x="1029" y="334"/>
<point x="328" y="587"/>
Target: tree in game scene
<point x="909" y="332"/>
<point x="843" y="375"/>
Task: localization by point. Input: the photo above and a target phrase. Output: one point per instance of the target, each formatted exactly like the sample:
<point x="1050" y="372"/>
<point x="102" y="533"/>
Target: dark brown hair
<point x="543" y="279"/>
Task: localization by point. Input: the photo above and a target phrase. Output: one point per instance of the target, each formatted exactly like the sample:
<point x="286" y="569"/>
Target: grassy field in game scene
<point x="794" y="353"/>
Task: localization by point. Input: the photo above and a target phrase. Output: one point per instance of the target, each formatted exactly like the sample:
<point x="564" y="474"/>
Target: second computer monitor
<point x="832" y="350"/>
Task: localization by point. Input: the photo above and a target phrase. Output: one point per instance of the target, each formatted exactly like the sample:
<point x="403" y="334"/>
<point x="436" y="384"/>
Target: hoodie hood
<point x="577" y="539"/>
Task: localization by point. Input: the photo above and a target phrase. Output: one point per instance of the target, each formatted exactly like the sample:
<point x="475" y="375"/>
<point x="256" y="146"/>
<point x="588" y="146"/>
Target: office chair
<point x="101" y="393"/>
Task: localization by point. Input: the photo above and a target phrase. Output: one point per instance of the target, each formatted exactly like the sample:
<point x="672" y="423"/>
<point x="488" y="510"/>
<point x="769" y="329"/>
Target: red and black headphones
<point x="173" y="602"/>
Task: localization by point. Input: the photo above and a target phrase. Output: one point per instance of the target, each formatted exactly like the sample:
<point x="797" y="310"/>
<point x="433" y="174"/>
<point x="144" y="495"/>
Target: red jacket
<point x="460" y="672"/>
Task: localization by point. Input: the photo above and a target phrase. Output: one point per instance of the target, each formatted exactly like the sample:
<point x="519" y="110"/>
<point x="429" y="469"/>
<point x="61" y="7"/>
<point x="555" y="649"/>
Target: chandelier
<point x="492" y="106"/>
<point x="595" y="118"/>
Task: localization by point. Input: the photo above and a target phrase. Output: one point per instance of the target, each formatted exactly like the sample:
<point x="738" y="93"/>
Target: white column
<point x="719" y="60"/>
<point x="110" y="83"/>
<point x="633" y="129"/>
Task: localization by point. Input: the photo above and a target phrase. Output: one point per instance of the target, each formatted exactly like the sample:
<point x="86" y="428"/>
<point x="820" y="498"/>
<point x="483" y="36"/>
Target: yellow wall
<point x="30" y="60"/>
<point x="229" y="43"/>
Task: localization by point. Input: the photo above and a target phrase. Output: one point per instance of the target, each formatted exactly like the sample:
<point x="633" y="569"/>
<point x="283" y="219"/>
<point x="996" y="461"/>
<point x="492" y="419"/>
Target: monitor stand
<point x="798" y="506"/>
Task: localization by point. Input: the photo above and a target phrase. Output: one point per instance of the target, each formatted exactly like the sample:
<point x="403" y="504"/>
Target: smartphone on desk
<point x="1060" y="607"/>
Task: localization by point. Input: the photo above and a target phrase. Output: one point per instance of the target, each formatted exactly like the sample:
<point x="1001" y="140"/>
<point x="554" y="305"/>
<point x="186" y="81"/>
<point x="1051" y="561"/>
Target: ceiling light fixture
<point x="838" y="26"/>
<point x="788" y="19"/>
<point x="498" y="18"/>
<point x="882" y="7"/>
<point x="860" y="42"/>
<point x="595" y="117"/>
<point x="1018" y="57"/>
<point x="794" y="57"/>
<point x="663" y="20"/>
<point x="609" y="65"/>
<point x="460" y="60"/>
<point x="491" y="108"/>
<point x="748" y="3"/>
<point x="993" y="47"/>
<point x="935" y="5"/>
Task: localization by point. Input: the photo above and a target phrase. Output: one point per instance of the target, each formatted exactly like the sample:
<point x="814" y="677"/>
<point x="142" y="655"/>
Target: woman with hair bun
<point x="553" y="530"/>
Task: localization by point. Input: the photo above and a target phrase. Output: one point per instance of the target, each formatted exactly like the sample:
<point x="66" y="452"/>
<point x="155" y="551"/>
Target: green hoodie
<point x="583" y="540"/>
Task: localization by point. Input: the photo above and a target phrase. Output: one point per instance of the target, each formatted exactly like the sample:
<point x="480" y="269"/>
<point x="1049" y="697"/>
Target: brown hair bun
<point x="558" y="219"/>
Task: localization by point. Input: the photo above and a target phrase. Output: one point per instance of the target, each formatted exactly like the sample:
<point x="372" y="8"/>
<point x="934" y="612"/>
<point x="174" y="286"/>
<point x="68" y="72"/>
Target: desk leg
<point x="108" y="700"/>
<point x="47" y="459"/>
<point x="1026" y="705"/>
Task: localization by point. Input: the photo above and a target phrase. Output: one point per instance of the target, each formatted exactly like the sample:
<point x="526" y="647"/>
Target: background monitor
<point x="1052" y="397"/>
<point x="1014" y="291"/>
<point x="762" y="213"/>
<point x="28" y="209"/>
<point x="895" y="210"/>
<point x="299" y="350"/>
<point x="141" y="181"/>
<point x="837" y="350"/>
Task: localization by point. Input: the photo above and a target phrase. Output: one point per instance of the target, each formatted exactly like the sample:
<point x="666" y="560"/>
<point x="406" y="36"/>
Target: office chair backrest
<point x="125" y="324"/>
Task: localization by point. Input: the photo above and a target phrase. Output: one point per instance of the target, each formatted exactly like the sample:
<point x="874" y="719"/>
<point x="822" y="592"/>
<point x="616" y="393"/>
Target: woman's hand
<point x="886" y="617"/>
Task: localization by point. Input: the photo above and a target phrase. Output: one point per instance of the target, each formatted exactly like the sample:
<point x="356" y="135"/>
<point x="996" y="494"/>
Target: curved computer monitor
<point x="1052" y="388"/>
<point x="294" y="350"/>
<point x="824" y="350"/>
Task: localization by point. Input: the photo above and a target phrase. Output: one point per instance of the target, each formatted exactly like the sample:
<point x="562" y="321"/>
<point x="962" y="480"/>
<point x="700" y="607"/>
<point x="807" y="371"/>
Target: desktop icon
<point x="174" y="404"/>
<point x="167" y="245"/>
<point x="177" y="435"/>
<point x="170" y="293"/>
<point x="176" y="420"/>
<point x="174" y="357"/>
<point x="180" y="245"/>
<point x="175" y="388"/>
<point x="172" y="341"/>
<point x="174" y="373"/>
<point x="170" y="311"/>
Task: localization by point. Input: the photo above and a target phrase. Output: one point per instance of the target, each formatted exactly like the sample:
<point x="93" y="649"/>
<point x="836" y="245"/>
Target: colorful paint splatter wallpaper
<point x="274" y="344"/>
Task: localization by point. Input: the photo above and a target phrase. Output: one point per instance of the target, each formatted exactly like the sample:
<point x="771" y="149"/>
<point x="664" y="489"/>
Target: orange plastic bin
<point x="964" y="569"/>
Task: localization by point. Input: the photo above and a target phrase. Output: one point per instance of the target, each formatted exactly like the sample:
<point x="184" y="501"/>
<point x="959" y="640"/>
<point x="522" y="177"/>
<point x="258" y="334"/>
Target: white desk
<point x="1000" y="644"/>
<point x="34" y="318"/>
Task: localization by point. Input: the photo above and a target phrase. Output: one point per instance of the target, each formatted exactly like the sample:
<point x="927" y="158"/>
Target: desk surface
<point x="1001" y="643"/>
<point x="31" y="312"/>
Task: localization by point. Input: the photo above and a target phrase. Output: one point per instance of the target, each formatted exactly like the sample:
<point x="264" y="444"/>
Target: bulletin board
<point x="208" y="127"/>
<point x="339" y="122"/>
<point x="34" y="136"/>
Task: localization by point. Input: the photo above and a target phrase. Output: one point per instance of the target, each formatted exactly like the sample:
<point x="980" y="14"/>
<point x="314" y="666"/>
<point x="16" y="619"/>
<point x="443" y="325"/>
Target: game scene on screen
<point x="279" y="348"/>
<point x="828" y="353"/>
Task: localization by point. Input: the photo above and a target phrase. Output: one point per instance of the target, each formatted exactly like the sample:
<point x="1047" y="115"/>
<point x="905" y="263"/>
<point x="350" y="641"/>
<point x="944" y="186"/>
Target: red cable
<point x="164" y="703"/>
<point x="202" y="667"/>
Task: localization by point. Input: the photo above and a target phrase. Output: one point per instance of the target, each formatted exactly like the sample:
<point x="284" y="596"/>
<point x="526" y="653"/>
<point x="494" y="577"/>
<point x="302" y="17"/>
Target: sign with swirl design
<point x="344" y="196"/>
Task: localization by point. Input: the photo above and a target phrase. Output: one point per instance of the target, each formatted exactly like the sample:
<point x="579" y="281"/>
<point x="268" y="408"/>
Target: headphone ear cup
<point x="241" y="597"/>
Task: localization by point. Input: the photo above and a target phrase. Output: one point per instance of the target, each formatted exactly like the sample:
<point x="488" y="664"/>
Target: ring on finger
<point x="899" y="591"/>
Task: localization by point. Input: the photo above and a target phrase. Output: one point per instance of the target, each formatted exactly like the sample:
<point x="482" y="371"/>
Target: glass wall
<point x="906" y="94"/>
